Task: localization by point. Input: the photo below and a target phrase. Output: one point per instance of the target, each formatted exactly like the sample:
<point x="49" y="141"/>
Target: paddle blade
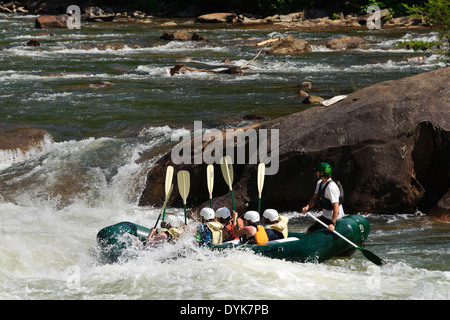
<point x="169" y="177"/>
<point x="372" y="257"/>
<point x="261" y="174"/>
<point x="227" y="170"/>
<point x="210" y="179"/>
<point x="184" y="183"/>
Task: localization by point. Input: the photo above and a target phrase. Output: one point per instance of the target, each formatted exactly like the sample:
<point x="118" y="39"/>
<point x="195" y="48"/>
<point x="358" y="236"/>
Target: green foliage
<point x="419" y="45"/>
<point x="437" y="13"/>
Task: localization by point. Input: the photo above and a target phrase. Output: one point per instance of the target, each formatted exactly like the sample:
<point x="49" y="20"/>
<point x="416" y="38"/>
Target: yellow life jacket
<point x="260" y="235"/>
<point x="174" y="233"/>
<point x="280" y="226"/>
<point x="216" y="230"/>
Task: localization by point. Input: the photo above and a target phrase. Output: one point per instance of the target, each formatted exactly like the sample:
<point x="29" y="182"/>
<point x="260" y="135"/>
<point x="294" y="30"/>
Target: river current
<point x="105" y="95"/>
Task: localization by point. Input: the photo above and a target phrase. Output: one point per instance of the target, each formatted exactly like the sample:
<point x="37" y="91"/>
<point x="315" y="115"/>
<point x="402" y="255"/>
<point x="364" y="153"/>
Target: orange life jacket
<point x="230" y="228"/>
<point x="260" y="235"/>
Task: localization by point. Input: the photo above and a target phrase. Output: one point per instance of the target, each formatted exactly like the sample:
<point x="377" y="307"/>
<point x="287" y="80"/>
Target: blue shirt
<point x="204" y="234"/>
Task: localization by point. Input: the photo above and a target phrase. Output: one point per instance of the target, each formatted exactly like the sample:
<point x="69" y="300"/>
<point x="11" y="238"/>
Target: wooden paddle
<point x="168" y="189"/>
<point x="227" y="171"/>
<point x="184" y="183"/>
<point x="165" y="204"/>
<point x="260" y="180"/>
<point x="168" y="185"/>
<point x="369" y="255"/>
<point x="210" y="181"/>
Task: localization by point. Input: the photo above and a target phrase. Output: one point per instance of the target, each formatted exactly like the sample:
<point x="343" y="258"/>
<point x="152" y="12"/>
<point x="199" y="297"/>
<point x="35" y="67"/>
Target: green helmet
<point x="325" y="168"/>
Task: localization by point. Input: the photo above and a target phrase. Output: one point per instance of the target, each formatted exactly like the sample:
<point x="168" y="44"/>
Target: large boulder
<point x="442" y="209"/>
<point x="388" y="144"/>
<point x="289" y="45"/>
<point x="51" y="21"/>
<point x="216" y="17"/>
<point x="346" y="42"/>
<point x="16" y="138"/>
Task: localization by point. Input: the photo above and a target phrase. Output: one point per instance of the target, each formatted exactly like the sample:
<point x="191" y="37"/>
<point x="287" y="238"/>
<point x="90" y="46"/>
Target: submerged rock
<point x="388" y="144"/>
<point x="182" y="35"/>
<point x="33" y="43"/>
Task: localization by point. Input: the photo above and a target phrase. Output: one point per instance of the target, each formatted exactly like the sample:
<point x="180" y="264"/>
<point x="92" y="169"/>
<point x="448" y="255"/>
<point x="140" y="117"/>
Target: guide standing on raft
<point x="329" y="195"/>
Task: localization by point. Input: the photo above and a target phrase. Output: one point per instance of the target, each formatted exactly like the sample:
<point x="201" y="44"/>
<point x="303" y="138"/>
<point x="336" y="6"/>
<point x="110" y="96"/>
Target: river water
<point x="86" y="174"/>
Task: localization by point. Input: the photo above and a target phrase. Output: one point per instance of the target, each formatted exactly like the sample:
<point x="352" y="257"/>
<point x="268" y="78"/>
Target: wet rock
<point x="20" y="138"/>
<point x="51" y="21"/>
<point x="233" y="70"/>
<point x="289" y="45"/>
<point x="93" y="13"/>
<point x="388" y="144"/>
<point x="111" y="46"/>
<point x="216" y="18"/>
<point x="99" y="85"/>
<point x="305" y="85"/>
<point x="346" y="42"/>
<point x="33" y="43"/>
<point x="442" y="209"/>
<point x="314" y="99"/>
<point x="182" y="35"/>
<point x="51" y="7"/>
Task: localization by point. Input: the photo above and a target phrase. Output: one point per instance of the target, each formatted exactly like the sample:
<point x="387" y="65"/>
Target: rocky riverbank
<point x="389" y="145"/>
<point x="307" y="18"/>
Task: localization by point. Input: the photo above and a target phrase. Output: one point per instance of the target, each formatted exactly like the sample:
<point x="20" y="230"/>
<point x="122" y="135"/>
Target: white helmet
<point x="223" y="213"/>
<point x="253" y="216"/>
<point x="173" y="220"/>
<point x="207" y="213"/>
<point x="271" y="214"/>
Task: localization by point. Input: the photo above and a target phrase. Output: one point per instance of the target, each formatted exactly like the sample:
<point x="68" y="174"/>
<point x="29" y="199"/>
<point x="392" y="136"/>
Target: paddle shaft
<point x="334" y="231"/>
<point x="183" y="187"/>
<point x="260" y="183"/>
<point x="210" y="181"/>
<point x="164" y="205"/>
<point x="168" y="186"/>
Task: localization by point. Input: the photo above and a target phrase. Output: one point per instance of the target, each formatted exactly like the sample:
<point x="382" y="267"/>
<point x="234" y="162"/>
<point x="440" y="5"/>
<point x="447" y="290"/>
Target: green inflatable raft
<point x="317" y="247"/>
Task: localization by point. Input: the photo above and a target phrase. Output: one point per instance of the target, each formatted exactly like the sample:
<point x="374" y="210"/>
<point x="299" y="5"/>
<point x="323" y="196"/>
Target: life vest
<point x="216" y="230"/>
<point x="281" y="226"/>
<point x="174" y="233"/>
<point x="326" y="203"/>
<point x="229" y="227"/>
<point x="260" y="237"/>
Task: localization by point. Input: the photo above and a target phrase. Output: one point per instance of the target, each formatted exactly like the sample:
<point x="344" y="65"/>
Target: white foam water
<point x="49" y="250"/>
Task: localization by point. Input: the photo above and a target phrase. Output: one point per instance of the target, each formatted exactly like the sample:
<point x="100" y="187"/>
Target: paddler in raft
<point x="329" y="195"/>
<point x="276" y="226"/>
<point x="225" y="218"/>
<point x="209" y="230"/>
<point x="170" y="231"/>
<point x="254" y="232"/>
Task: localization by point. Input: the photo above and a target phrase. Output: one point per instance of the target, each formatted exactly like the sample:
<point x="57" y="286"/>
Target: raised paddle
<point x="227" y="171"/>
<point x="260" y="180"/>
<point x="168" y="189"/>
<point x="210" y="181"/>
<point x="165" y="204"/>
<point x="369" y="255"/>
<point x="168" y="185"/>
<point x="184" y="183"/>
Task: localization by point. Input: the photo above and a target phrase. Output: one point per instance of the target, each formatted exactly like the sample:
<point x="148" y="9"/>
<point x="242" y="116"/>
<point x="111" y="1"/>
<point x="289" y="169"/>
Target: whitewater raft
<point x="115" y="240"/>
